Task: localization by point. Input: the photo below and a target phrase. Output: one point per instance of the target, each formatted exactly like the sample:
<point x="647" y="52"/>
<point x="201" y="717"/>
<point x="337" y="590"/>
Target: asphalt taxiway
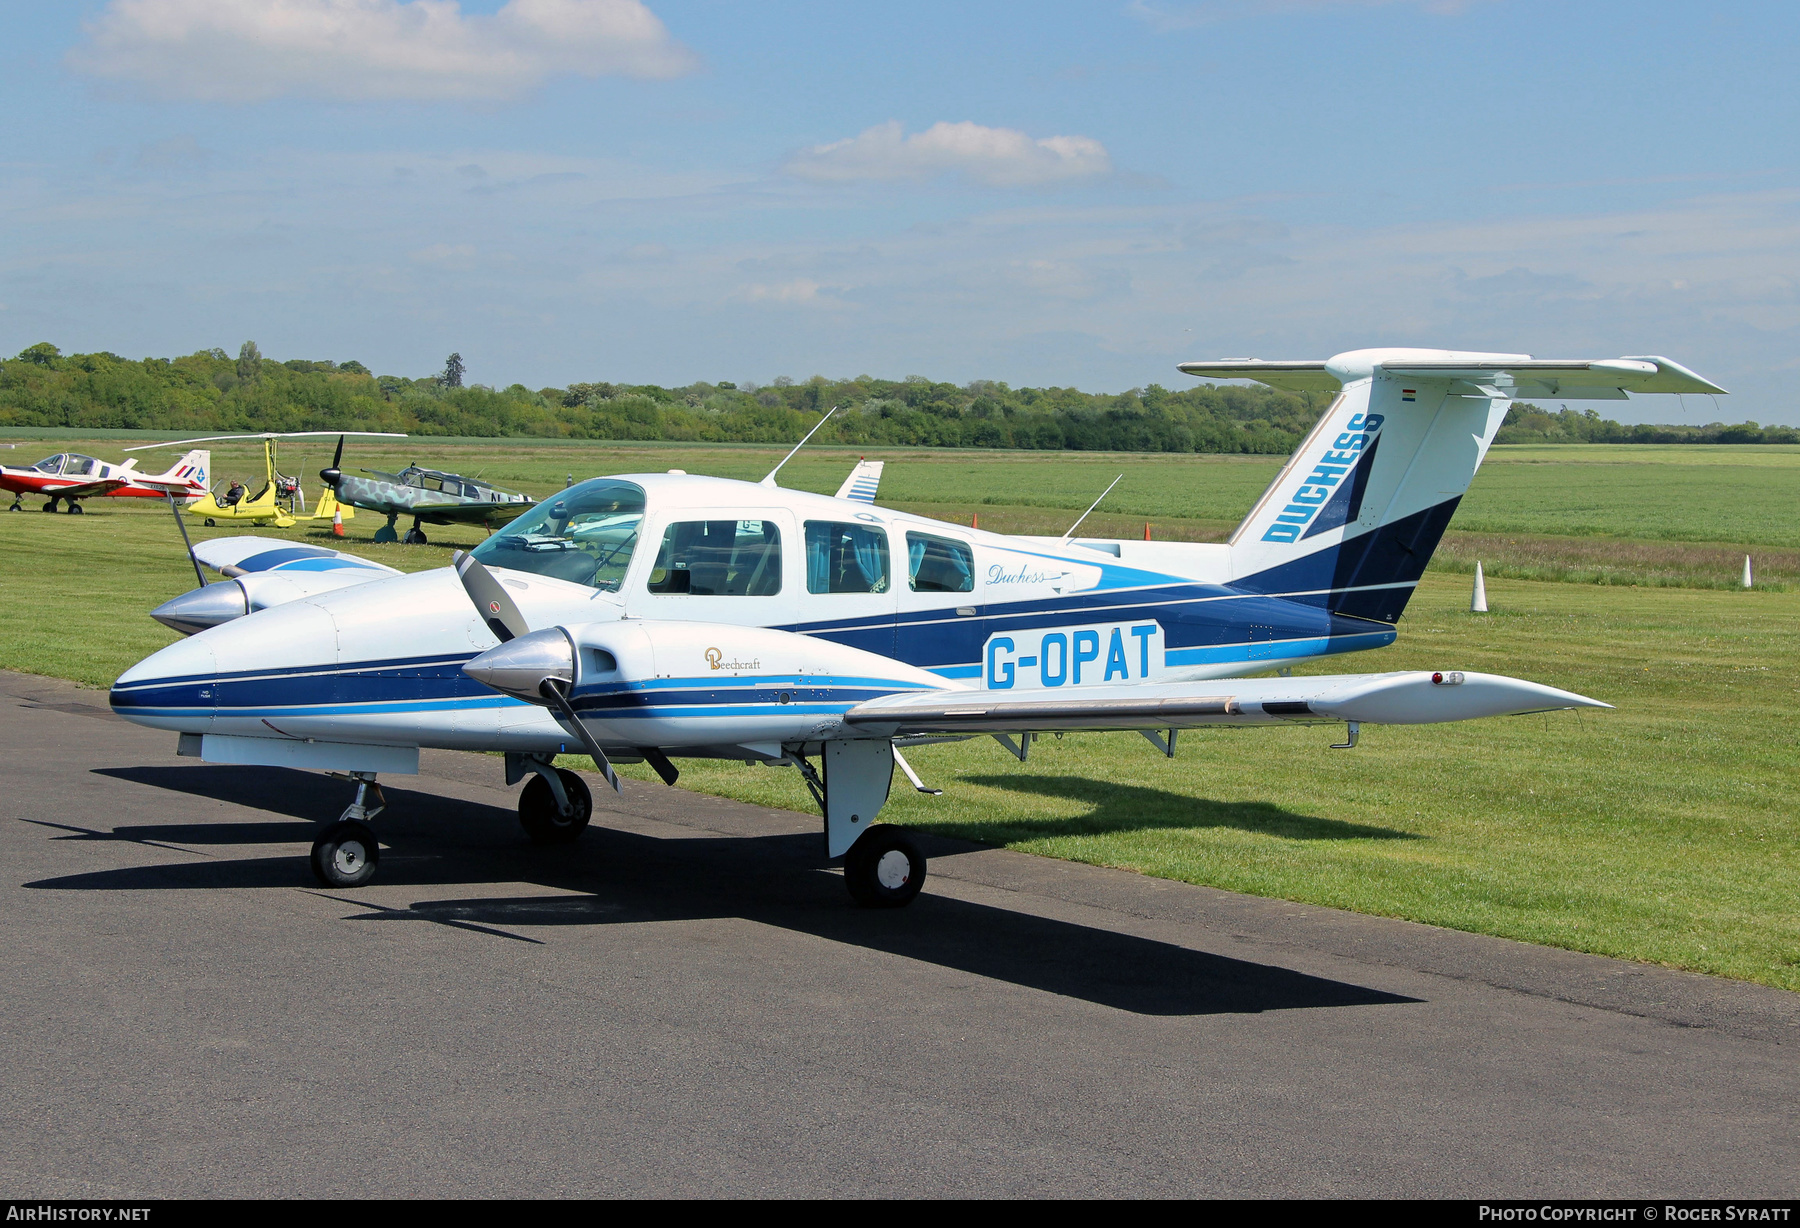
<point x="685" y="1003"/>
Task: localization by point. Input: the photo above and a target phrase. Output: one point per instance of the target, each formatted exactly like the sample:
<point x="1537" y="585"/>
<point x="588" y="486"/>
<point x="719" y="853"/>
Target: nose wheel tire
<point x="884" y="869"/>
<point x="211" y="523"/>
<point x="345" y="854"/>
<point x="538" y="813"/>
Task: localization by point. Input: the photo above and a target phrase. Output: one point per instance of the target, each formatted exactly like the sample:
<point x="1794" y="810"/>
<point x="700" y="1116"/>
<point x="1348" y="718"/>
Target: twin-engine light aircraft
<point x="651" y="617"/>
<point x="429" y="496"/>
<point x="279" y="500"/>
<point x="69" y="477"/>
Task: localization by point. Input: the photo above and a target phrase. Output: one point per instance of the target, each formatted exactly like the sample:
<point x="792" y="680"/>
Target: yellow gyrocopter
<point x="279" y="501"/>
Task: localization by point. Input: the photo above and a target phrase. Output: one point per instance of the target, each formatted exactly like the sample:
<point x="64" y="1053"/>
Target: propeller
<point x="536" y="666"/>
<point x="330" y="476"/>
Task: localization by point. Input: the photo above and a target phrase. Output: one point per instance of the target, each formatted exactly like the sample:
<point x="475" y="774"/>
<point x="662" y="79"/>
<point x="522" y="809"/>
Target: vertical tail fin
<point x="1352" y="519"/>
<point x="863" y="482"/>
<point x="195" y="468"/>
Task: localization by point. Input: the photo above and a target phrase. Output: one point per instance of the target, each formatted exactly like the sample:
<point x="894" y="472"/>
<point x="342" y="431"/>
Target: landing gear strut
<point x="347" y="852"/>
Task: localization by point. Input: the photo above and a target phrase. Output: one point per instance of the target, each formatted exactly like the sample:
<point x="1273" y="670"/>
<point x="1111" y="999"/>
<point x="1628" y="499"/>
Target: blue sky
<point x="1077" y="194"/>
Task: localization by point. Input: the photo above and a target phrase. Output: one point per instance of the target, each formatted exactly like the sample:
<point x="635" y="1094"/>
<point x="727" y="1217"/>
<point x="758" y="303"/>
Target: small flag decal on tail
<point x="1409" y="394"/>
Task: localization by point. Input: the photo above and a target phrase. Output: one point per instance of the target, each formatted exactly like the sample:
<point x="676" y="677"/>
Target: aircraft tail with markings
<point x="1350" y="522"/>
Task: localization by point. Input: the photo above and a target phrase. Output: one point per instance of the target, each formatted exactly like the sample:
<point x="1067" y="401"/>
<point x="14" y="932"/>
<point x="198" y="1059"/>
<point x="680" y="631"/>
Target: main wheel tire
<point x="211" y="523"/>
<point x="386" y="534"/>
<point x="415" y="536"/>
<point x="538" y="814"/>
<point x="346" y="854"/>
<point x="50" y="506"/>
<point x="74" y="509"/>
<point x="884" y="868"/>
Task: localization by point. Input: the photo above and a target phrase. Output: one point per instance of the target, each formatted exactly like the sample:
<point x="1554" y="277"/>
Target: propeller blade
<point x="552" y="690"/>
<point x="495" y="605"/>
<point x="330" y="476"/>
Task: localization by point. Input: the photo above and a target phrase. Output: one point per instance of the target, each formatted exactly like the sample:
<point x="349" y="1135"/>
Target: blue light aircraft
<point x="650" y="617"/>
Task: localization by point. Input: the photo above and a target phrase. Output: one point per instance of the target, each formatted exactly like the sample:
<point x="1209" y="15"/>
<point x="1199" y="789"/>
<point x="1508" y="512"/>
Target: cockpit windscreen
<point x="585" y="534"/>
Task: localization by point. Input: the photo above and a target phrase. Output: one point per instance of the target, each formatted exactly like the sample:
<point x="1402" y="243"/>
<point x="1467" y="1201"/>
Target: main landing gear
<point x="555" y="804"/>
<point x="884" y="868"/>
<point x="347" y="852"/>
<point x="415" y="536"/>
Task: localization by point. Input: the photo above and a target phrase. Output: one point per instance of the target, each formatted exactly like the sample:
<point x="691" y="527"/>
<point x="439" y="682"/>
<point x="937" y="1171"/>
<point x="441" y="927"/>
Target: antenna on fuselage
<point x="770" y="480"/>
<point x="1096" y="503"/>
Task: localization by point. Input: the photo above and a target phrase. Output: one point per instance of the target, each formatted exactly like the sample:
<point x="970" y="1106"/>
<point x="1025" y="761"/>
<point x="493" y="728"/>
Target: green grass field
<point x="1662" y="831"/>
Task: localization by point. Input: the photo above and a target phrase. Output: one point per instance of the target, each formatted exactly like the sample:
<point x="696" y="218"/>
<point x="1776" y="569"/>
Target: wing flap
<point x="1411" y="698"/>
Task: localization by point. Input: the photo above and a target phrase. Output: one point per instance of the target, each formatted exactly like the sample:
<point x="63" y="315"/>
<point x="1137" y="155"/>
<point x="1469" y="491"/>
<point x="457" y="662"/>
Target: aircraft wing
<point x="85" y="490"/>
<point x="1412" y="698"/>
<point x="863" y="482"/>
<point x="471" y="512"/>
<point x="237" y="556"/>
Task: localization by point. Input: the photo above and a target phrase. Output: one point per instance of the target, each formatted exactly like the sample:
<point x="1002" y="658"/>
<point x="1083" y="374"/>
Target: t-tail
<point x="1352" y="519"/>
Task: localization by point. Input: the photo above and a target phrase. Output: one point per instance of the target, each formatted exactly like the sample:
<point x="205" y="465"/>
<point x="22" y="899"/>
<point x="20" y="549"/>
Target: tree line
<point x="211" y="392"/>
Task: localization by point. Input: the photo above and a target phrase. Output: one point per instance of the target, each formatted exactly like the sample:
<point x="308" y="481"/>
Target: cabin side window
<point x="845" y="558"/>
<point x="939" y="564"/>
<point x="719" y="558"/>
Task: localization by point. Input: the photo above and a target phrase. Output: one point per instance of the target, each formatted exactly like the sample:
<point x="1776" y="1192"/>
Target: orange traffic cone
<point x="1146" y="530"/>
<point x="975" y="521"/>
<point x="337" y="523"/>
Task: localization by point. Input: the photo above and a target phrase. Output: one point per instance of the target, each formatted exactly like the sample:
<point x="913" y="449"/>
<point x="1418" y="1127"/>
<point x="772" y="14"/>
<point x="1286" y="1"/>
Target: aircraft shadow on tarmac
<point x="1136" y="808"/>
<point x="625" y="878"/>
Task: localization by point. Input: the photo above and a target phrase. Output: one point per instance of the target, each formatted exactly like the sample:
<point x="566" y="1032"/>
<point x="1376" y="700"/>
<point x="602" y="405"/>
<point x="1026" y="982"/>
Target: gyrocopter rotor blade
<point x="547" y="656"/>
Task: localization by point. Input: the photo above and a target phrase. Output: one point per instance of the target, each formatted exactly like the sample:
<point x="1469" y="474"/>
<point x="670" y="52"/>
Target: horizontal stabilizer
<point x="1512" y="375"/>
<point x="1412" y="698"/>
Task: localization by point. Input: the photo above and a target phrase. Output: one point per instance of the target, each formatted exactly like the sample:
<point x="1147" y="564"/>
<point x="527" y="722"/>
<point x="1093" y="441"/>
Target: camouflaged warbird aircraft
<point x="648" y="617"/>
<point x="430" y="496"/>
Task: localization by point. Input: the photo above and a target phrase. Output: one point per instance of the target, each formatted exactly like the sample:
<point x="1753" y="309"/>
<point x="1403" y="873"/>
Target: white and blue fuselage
<point x="882" y="602"/>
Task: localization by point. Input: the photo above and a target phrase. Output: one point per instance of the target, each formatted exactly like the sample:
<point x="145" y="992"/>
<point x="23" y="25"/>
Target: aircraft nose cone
<point x="330" y="477"/>
<point x="519" y="666"/>
<point x="203" y="607"/>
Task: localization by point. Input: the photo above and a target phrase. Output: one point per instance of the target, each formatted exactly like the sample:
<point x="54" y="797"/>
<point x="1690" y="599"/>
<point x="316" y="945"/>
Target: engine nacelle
<point x="223" y="600"/>
<point x="673" y="684"/>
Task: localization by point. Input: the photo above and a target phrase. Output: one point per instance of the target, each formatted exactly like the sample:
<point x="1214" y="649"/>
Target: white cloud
<point x="800" y="292"/>
<point x="995" y="157"/>
<point x="249" y="50"/>
<point x="1209" y="12"/>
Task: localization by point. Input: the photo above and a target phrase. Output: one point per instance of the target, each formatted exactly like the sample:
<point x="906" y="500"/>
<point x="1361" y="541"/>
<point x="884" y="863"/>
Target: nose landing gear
<point x="347" y="852"/>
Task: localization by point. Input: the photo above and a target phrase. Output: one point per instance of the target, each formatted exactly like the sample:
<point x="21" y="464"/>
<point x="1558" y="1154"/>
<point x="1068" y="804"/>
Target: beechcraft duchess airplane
<point x="647" y="617"/>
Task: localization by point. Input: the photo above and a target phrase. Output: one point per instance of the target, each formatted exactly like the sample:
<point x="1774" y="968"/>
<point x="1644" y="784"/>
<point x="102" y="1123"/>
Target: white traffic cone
<point x="337" y="523"/>
<point x="1478" y="599"/>
<point x="1746" y="571"/>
